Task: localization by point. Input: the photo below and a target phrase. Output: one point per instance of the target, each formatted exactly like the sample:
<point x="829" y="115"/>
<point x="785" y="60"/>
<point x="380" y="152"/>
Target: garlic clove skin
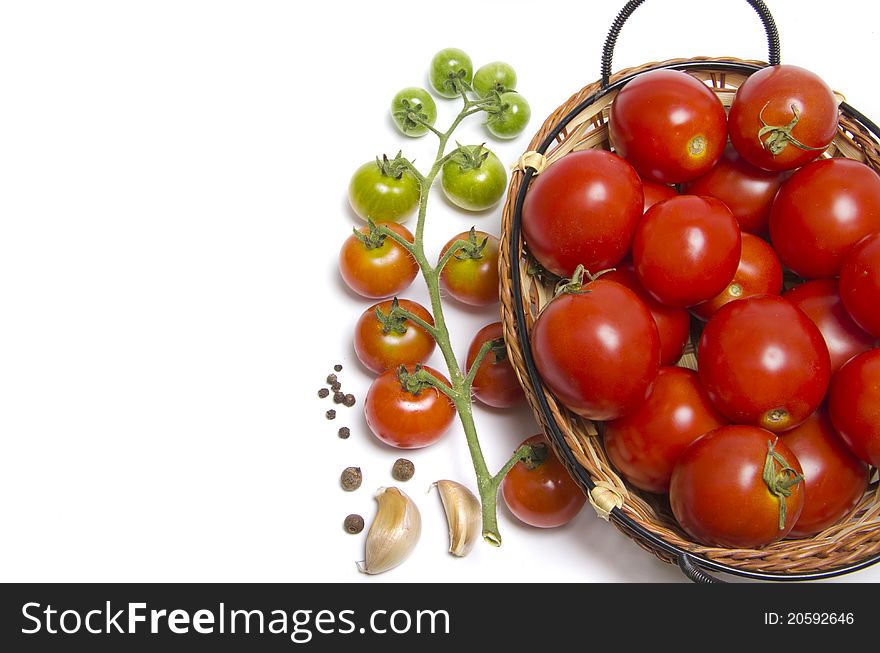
<point x="463" y="515"/>
<point x="394" y="532"/>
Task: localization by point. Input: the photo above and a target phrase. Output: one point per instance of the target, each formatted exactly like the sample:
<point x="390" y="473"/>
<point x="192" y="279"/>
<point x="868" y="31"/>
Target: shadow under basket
<point x="582" y="123"/>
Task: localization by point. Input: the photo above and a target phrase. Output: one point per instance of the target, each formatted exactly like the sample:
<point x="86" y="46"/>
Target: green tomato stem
<point x="449" y="253"/>
<point x="478" y="360"/>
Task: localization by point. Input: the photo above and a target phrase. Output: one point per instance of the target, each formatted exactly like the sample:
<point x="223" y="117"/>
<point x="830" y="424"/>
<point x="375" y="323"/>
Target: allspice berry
<point x="403" y="469"/>
<point x="353" y="524"/>
<point x="351" y="478"/>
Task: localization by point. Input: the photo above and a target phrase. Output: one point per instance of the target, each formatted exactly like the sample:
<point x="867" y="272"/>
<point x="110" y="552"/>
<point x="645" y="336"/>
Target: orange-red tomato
<point x="655" y="192"/>
<point x="377" y="267"/>
<point x="471" y="276"/>
<point x="854" y="405"/>
<point x="388" y="342"/>
<point x="860" y="284"/>
<point x="495" y="383"/>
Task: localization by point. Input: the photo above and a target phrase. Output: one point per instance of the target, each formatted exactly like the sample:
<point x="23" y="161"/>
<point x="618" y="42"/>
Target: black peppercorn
<point x="347" y="400"/>
<point x="336" y="386"/>
<point x="337" y="367"/>
<point x="323" y="392"/>
<point x="331" y="414"/>
<point x="344" y="432"/>
<point x="331" y="379"/>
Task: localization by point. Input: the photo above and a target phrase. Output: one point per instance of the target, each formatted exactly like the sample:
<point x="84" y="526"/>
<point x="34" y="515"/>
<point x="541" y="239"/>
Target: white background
<point x="172" y="200"/>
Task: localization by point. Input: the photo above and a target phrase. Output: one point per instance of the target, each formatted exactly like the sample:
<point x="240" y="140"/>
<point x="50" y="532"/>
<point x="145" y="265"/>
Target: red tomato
<point x="775" y="110"/>
<point x="686" y="250"/>
<point x="719" y="494"/>
<point x="582" y="210"/>
<point x="668" y="125"/>
<point x="821" y="213"/>
<point x="820" y="301"/>
<point x="495" y="383"/>
<point x="376" y="266"/>
<point x="759" y="273"/>
<point x="655" y="192"/>
<point x="834" y="478"/>
<point x="764" y="363"/>
<point x="746" y="190"/>
<point x="673" y="324"/>
<point x="854" y="405"/>
<point x="646" y="444"/>
<point x="603" y="368"/>
<point x="471" y="275"/>
<point x="385" y="343"/>
<point x="407" y="414"/>
<point x="539" y="490"/>
<point x="860" y="284"/>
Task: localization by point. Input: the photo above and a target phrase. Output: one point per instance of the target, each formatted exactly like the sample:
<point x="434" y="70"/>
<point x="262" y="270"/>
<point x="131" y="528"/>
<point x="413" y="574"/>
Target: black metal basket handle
<point x="632" y="5"/>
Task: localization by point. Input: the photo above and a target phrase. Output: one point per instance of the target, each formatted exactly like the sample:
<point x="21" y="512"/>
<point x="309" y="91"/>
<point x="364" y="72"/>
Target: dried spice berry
<point x="323" y="392"/>
<point x="337" y="367"/>
<point x="353" y="524"/>
<point x="336" y="387"/>
<point x="331" y="414"/>
<point x="403" y="469"/>
<point x="347" y="400"/>
<point x="344" y="432"/>
<point x="338" y="397"/>
<point x="331" y="379"/>
<point x="351" y="478"/>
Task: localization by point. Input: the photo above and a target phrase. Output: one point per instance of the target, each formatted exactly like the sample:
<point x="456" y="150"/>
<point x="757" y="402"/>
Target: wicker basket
<point x="581" y="123"/>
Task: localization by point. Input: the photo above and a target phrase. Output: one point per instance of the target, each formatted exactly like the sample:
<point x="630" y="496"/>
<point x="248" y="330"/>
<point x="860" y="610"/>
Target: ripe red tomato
<point x="655" y="192"/>
<point x="673" y="324"/>
<point x="646" y="444"/>
<point x="775" y="109"/>
<point x="668" y="125"/>
<point x="860" y="284"/>
<point x="719" y="494"/>
<point x="764" y="363"/>
<point x="746" y="190"/>
<point x="603" y="368"/>
<point x="759" y="273"/>
<point x="582" y="210"/>
<point x="471" y="275"/>
<point x="376" y="266"/>
<point x="495" y="383"/>
<point x="821" y="212"/>
<point x="686" y="250"/>
<point x="821" y="302"/>
<point x="386" y="342"/>
<point x="407" y="414"/>
<point x="539" y="491"/>
<point x="854" y="405"/>
<point x="834" y="478"/>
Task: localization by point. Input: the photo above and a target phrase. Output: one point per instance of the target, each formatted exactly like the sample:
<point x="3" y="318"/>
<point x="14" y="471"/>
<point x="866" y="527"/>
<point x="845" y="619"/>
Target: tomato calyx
<point x="576" y="285"/>
<point x="779" y="481"/>
<point x="394" y="321"/>
<point x="470" y="157"/>
<point x="394" y="168"/>
<point x="533" y="455"/>
<point x="472" y="249"/>
<point x="411" y="115"/>
<point x="413" y="382"/>
<point x="373" y="239"/>
<point x="780" y="135"/>
<point x="499" y="350"/>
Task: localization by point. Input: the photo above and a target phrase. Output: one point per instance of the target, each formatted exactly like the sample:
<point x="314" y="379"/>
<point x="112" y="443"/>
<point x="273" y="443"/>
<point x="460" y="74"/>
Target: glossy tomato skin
<point x="854" y="405"/>
<point x="718" y="494"/>
<point x="686" y="250"/>
<point x="860" y="284"/>
<point x="821" y="302"/>
<point x="821" y="212"/>
<point x="403" y="419"/>
<point x="545" y="496"/>
<point x="375" y="195"/>
<point x="582" y="210"/>
<point x="602" y="369"/>
<point x="474" y="179"/>
<point x="759" y="273"/>
<point x="668" y="125"/>
<point x="472" y="281"/>
<point x="764" y="363"/>
<point x="673" y="324"/>
<point x="834" y="478"/>
<point x="380" y="271"/>
<point x="770" y="94"/>
<point x="655" y="193"/>
<point x="646" y="444"/>
<point x="495" y="383"/>
<point x="746" y="190"/>
<point x="380" y="348"/>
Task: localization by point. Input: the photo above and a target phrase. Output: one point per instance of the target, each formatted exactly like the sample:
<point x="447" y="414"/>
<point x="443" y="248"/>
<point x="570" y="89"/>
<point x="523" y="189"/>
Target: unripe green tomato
<point x="513" y="117"/>
<point x="474" y="179"/>
<point x="450" y="62"/>
<point x="495" y="76"/>
<point x="413" y="102"/>
<point x="380" y="197"/>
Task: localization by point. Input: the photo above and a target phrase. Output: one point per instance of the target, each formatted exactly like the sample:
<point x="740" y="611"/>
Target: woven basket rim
<point x="766" y="563"/>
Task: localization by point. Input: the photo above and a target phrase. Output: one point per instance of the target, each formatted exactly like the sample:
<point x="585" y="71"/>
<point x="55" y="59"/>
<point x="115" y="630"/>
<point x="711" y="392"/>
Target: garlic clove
<point x="394" y="532"/>
<point x="463" y="514"/>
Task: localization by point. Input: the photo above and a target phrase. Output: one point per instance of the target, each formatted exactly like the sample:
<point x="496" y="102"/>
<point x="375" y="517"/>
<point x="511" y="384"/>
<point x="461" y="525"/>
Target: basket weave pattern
<point x="852" y="540"/>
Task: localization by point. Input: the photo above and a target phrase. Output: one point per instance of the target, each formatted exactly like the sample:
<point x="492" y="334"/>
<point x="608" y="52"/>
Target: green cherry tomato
<point x="449" y="68"/>
<point x="512" y="117"/>
<point x="474" y="179"/>
<point x="495" y="76"/>
<point x="411" y="108"/>
<point x="384" y="191"/>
